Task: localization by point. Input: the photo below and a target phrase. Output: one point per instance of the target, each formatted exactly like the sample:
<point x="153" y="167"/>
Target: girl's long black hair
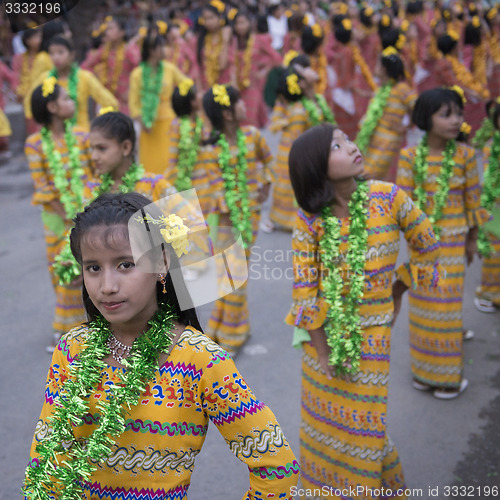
<point x="112" y="209"/>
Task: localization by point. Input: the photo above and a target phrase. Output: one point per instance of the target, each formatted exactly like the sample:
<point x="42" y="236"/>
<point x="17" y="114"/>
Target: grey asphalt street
<point x="441" y="443"/>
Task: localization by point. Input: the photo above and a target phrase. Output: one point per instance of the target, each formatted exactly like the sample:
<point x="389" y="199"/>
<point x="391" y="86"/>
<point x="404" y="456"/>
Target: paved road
<point x="440" y="443"/>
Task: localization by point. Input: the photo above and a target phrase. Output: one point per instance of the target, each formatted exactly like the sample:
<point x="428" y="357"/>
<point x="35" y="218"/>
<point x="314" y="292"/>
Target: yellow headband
<point x="459" y="91"/>
<point x="389" y="51"/>
<point x="174" y="232"/>
<point x="289" y="57"/>
<point x="106" y="110"/>
<point x="347" y="24"/>
<point x="48" y="86"/>
<point x="292" y="84"/>
<point x="221" y="96"/>
<point x="316" y="30"/>
<point x="185" y="86"/>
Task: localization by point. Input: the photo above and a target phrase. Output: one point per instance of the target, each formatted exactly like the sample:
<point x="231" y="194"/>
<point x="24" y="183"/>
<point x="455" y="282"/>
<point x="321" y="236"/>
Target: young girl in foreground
<point x="441" y="176"/>
<point x="119" y="395"/>
<point x="345" y="245"/>
<point x="59" y="160"/>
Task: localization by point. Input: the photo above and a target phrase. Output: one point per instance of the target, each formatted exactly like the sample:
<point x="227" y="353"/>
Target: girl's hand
<point x="143" y="127"/>
<point x="318" y="340"/>
<point x="398" y="289"/>
<point x="76" y="283"/>
<point x="263" y="193"/>
<point x="471" y="245"/>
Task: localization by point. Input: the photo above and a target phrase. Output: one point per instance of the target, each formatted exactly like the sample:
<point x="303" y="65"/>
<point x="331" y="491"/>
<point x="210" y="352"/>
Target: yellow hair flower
<point x="220" y="6"/>
<point x="476" y="22"/>
<point x="389" y="51"/>
<point x="185" y="86"/>
<point x="305" y="20"/>
<point x="400" y="43"/>
<point x="292" y="84"/>
<point x="497" y="100"/>
<point x="143" y="31"/>
<point x="459" y="91"/>
<point x="492" y="13"/>
<point x="405" y="25"/>
<point x="347" y="24"/>
<point x="106" y="110"/>
<point x="453" y="35"/>
<point x="175" y="233"/>
<point x="317" y="31"/>
<point x="288" y="13"/>
<point x="108" y="19"/>
<point x="465" y="128"/>
<point x="221" y="96"/>
<point x="388" y="3"/>
<point x="385" y="20"/>
<point x="289" y="57"/>
<point x="232" y="14"/>
<point x="102" y="28"/>
<point x="368" y="11"/>
<point x="162" y="27"/>
<point x="341" y="8"/>
<point x="95" y="33"/>
<point x="446" y="14"/>
<point x="48" y="86"/>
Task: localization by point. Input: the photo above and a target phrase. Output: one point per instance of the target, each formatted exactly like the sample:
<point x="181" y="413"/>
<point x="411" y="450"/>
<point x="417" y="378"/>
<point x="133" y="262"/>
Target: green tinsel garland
<point x="344" y="333"/>
<point x="65" y="267"/>
<point x="72" y="87"/>
<point x="189" y="140"/>
<point x="314" y="113"/>
<point x="373" y="114"/>
<point x="484" y="134"/>
<point x="70" y="192"/>
<point x="69" y="466"/>
<point x="491" y="192"/>
<point x="236" y="186"/>
<point x="442" y="181"/>
<point x="150" y="93"/>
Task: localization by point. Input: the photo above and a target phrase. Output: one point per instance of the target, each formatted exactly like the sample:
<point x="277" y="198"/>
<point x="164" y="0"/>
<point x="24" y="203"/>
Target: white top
<point x="278" y="28"/>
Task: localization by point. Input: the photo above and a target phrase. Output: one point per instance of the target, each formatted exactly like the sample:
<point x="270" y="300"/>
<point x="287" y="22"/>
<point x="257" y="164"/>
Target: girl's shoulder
<point x="34" y="140"/>
<point x="74" y="341"/>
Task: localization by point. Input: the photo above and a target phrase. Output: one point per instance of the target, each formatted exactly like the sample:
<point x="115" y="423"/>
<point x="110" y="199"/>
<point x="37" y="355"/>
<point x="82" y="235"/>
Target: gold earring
<point x="163" y="281"/>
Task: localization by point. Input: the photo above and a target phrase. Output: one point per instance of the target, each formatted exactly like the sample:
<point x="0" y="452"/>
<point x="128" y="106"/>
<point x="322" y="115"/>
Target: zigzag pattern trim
<point x="182" y="369"/>
<point x="277" y="472"/>
<point x="253" y="406"/>
<point x="178" y="493"/>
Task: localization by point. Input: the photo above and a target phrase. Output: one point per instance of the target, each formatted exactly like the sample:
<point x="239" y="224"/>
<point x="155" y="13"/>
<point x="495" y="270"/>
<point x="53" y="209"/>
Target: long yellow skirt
<point x="343" y="438"/>
<point x="283" y="206"/>
<point x="490" y="276"/>
<point x="153" y="147"/>
<point x="69" y="311"/>
<point x="436" y="330"/>
<point x="5" y="129"/>
<point x="229" y="324"/>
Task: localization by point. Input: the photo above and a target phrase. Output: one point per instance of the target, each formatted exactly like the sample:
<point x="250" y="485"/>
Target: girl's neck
<point x="436" y="143"/>
<point x="193" y="116"/>
<point x="154" y="62"/>
<point x="64" y="72"/>
<point x="118" y="173"/>
<point x="309" y="93"/>
<point x="230" y="131"/>
<point x="243" y="41"/>
<point x="56" y="126"/>
<point x="115" y="44"/>
<point x="343" y="193"/>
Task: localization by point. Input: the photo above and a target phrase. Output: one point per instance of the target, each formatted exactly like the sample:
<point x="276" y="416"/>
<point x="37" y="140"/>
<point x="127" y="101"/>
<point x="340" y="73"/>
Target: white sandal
<point x="444" y="394"/>
<point x="484" y="305"/>
<point x="468" y="334"/>
<point x="267" y="226"/>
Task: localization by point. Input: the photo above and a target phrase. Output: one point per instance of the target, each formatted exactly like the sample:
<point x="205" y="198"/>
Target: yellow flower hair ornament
<point x="106" y="110"/>
<point x="220" y="6"/>
<point x="221" y="96"/>
<point x="292" y="84"/>
<point x="476" y="22"/>
<point x="385" y="20"/>
<point x="389" y="51"/>
<point x="453" y="35"/>
<point x="492" y="13"/>
<point x="405" y="24"/>
<point x="347" y="24"/>
<point x="388" y="3"/>
<point x="143" y="31"/>
<point x="288" y="13"/>
<point x="317" y="31"/>
<point x="459" y="91"/>
<point x="232" y="14"/>
<point x="108" y="19"/>
<point x="497" y="100"/>
<point x="289" y="57"/>
<point x="465" y="128"/>
<point x="185" y="86"/>
<point x="369" y="11"/>
<point x="400" y="43"/>
<point x="162" y="27"/>
<point x="48" y="86"/>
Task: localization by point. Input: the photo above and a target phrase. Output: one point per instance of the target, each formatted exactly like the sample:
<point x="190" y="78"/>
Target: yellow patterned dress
<point x="291" y="121"/>
<point x="343" y="439"/>
<point x="389" y="133"/>
<point x="490" y="275"/>
<point x="154" y="457"/>
<point x="228" y="324"/>
<point x="436" y="329"/>
<point x="69" y="310"/>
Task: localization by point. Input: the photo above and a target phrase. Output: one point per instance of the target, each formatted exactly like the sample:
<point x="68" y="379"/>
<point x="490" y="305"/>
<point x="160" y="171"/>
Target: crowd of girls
<point x="198" y="127"/>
